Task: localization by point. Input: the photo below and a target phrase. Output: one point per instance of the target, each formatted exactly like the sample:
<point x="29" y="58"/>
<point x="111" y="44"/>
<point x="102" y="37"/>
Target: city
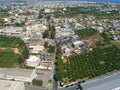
<point x="53" y="45"/>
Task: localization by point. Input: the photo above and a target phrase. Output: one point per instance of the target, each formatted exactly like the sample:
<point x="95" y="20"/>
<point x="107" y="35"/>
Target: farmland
<point x="83" y="33"/>
<point x="13" y="51"/>
<point x="98" y="62"/>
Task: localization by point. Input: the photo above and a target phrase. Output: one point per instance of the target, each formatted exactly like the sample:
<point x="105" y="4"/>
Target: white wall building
<point x="25" y="75"/>
<point x="76" y="44"/>
<point x="33" y="61"/>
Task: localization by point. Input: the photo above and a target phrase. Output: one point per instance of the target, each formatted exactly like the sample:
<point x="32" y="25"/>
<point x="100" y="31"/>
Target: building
<point x="25" y="75"/>
<point x="76" y="44"/>
<point x="33" y="61"/>
<point x="65" y="52"/>
<point x="11" y="85"/>
<point x="37" y="49"/>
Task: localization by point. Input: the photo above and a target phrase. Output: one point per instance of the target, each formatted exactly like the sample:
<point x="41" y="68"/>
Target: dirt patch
<point x="64" y="60"/>
<point x="16" y="50"/>
<point x="102" y="62"/>
<point x="95" y="37"/>
<point x="2" y="49"/>
<point x="117" y="43"/>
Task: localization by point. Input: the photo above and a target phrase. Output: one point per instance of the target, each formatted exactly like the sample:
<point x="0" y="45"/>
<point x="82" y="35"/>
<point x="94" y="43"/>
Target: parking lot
<point x="44" y="75"/>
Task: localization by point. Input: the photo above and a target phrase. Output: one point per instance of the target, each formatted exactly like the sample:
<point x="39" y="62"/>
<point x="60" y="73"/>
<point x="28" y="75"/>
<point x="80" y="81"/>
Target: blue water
<point x="112" y="1"/>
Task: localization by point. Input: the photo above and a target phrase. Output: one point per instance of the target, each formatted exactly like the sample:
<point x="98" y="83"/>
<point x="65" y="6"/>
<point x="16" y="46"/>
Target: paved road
<point x="55" y="83"/>
<point x="106" y="83"/>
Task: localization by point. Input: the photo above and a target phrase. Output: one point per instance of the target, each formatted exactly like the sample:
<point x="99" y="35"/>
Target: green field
<point x="13" y="51"/>
<point x="91" y="64"/>
<point x="83" y="33"/>
<point x="84" y="11"/>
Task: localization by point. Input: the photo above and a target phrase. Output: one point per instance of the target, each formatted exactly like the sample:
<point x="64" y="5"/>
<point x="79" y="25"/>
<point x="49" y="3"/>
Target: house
<point x="33" y="61"/>
<point x="37" y="49"/>
<point x="11" y="85"/>
<point x="24" y="75"/>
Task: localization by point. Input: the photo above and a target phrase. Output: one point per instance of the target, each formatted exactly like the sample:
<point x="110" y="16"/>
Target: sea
<point x="111" y="1"/>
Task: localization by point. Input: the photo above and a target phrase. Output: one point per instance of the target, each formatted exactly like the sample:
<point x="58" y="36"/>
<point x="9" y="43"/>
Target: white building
<point x="76" y="44"/>
<point x="11" y="85"/>
<point x="33" y="61"/>
<point x="25" y="75"/>
<point x="43" y="67"/>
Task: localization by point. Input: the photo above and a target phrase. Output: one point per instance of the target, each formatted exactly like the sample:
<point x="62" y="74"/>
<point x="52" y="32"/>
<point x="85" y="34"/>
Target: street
<point x="55" y="83"/>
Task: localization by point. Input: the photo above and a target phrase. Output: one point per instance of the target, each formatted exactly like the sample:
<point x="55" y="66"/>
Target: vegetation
<point x="49" y="81"/>
<point x="13" y="51"/>
<point x="37" y="82"/>
<point x="91" y="64"/>
<point x="41" y="14"/>
<point x="51" y="49"/>
<point x="84" y="11"/>
<point x="45" y="34"/>
<point x="4" y="13"/>
<point x="19" y="24"/>
<point x="46" y="44"/>
<point x="2" y="22"/>
<point x="101" y="60"/>
<point x="59" y="63"/>
<point x="106" y="38"/>
<point x="50" y="33"/>
<point x="83" y="33"/>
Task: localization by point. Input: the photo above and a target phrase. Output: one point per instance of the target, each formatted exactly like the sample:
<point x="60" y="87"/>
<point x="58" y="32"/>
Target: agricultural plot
<point x="91" y="64"/>
<point x="13" y="51"/>
<point x="83" y="33"/>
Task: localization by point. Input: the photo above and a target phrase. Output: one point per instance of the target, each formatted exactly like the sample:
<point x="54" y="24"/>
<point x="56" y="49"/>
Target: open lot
<point x="44" y="75"/>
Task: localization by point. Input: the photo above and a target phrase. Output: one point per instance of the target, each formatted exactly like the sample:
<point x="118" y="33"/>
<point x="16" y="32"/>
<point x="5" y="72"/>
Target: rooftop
<point x="20" y="72"/>
<point x="38" y="48"/>
<point x="33" y="58"/>
<point x="10" y="85"/>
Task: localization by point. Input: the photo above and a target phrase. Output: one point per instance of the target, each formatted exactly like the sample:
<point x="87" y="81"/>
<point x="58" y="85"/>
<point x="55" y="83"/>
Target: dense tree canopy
<point x="8" y="48"/>
<point x="37" y="82"/>
<point x="91" y="64"/>
<point x="83" y="33"/>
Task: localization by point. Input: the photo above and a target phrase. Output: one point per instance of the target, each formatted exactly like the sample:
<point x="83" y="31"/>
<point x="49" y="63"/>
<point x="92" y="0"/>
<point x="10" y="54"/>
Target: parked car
<point x="67" y="86"/>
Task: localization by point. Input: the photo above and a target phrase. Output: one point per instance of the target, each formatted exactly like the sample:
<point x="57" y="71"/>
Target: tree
<point x="52" y="30"/>
<point x="40" y="14"/>
<point x="45" y="34"/>
<point x="51" y="49"/>
<point x="46" y="44"/>
<point x="37" y="82"/>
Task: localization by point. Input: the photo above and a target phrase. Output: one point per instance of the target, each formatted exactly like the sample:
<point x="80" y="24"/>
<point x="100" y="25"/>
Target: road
<point x="55" y="83"/>
<point x="105" y="83"/>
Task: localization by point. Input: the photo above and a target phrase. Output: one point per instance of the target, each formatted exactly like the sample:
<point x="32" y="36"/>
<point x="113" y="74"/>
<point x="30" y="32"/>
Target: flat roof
<point x="10" y="85"/>
<point x="33" y="58"/>
<point x="16" y="72"/>
<point x="38" y="47"/>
